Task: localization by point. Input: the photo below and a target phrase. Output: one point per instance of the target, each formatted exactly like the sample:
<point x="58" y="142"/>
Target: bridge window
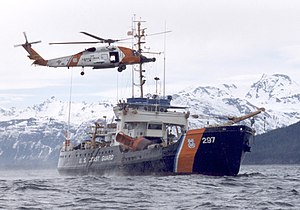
<point x="154" y="126"/>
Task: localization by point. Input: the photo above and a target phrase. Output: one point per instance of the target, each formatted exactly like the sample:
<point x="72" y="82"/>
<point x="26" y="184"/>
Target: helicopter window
<point x="92" y="49"/>
<point x="104" y="57"/>
<point x="114" y="57"/>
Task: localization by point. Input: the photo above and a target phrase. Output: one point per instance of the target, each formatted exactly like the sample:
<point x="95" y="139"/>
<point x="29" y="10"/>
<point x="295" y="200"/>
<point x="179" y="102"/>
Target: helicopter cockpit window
<point x="92" y="49"/>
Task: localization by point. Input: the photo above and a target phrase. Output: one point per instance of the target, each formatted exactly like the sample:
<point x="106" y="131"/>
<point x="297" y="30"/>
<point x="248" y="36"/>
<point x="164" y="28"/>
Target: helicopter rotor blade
<point x="93" y="36"/>
<point x="35" y="42"/>
<point x="18" y="45"/>
<point x="27" y="44"/>
<point x="25" y="37"/>
<point x="109" y="41"/>
<point x="101" y="40"/>
<point x="53" y="43"/>
<point x="155" y="53"/>
<point x="164" y="32"/>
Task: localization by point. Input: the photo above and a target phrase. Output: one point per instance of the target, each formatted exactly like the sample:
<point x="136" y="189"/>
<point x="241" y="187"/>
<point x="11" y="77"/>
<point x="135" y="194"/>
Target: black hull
<point x="214" y="151"/>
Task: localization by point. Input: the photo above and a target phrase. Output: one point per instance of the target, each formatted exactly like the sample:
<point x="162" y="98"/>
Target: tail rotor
<point x="26" y="43"/>
<point x="33" y="55"/>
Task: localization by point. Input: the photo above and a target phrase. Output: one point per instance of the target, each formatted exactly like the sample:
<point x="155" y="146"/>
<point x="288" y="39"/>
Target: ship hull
<point x="214" y="151"/>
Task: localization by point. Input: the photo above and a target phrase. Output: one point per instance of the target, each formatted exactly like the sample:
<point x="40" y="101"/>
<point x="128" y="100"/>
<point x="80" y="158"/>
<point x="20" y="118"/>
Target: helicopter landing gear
<point x="82" y="72"/>
<point x="121" y="68"/>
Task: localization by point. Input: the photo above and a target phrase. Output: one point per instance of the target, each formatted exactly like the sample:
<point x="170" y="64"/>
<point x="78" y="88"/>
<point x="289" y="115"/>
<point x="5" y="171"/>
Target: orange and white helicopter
<point x="96" y="57"/>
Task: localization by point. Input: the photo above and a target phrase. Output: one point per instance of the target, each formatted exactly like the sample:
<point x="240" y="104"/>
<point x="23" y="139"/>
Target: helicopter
<point x="95" y="57"/>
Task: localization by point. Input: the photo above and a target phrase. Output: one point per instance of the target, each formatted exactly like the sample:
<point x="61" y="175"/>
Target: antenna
<point x="70" y="100"/>
<point x="117" y="87"/>
<point x="67" y="135"/>
<point x="164" y="79"/>
<point x="156" y="80"/>
<point x="132" y="44"/>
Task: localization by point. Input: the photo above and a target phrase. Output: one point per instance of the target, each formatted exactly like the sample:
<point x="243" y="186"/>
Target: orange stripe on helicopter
<point x="189" y="147"/>
<point x="74" y="60"/>
<point x="33" y="55"/>
<point x="129" y="58"/>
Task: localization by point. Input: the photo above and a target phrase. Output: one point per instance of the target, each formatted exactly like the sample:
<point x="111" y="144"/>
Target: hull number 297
<point x="208" y="140"/>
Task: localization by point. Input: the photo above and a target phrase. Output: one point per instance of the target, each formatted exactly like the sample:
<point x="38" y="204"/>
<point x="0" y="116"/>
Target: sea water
<point x="256" y="187"/>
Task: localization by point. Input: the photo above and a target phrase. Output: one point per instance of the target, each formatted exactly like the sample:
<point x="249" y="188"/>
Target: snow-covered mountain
<point x="278" y="94"/>
<point x="54" y="109"/>
<point x="37" y="132"/>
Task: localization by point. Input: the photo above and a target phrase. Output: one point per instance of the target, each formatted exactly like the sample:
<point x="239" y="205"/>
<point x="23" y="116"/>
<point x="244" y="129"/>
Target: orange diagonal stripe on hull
<point x="188" y="151"/>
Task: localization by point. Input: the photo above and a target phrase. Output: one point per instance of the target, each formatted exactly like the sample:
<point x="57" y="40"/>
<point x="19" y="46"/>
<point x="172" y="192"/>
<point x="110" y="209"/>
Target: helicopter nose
<point x="147" y="60"/>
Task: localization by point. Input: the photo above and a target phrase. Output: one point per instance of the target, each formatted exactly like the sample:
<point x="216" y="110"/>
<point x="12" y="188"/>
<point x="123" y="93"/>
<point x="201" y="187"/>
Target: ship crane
<point x="233" y="120"/>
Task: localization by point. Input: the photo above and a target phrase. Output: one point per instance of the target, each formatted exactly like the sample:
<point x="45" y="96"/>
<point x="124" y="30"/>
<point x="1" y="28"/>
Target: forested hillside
<point x="280" y="146"/>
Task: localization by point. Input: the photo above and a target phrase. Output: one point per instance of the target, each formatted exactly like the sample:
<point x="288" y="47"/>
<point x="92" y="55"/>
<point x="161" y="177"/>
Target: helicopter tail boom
<point x="33" y="55"/>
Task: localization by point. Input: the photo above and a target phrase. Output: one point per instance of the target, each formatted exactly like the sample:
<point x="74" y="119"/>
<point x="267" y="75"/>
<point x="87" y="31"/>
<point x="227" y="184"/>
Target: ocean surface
<point x="256" y="187"/>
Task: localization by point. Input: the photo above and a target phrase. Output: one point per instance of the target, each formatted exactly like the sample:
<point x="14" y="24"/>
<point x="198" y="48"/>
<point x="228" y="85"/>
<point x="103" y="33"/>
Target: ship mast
<point x="140" y="34"/>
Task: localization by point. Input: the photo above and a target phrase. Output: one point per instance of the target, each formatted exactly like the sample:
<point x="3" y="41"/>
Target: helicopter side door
<point x="114" y="57"/>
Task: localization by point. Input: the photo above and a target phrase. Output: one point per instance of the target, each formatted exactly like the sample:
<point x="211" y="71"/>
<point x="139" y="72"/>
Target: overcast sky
<point x="212" y="42"/>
